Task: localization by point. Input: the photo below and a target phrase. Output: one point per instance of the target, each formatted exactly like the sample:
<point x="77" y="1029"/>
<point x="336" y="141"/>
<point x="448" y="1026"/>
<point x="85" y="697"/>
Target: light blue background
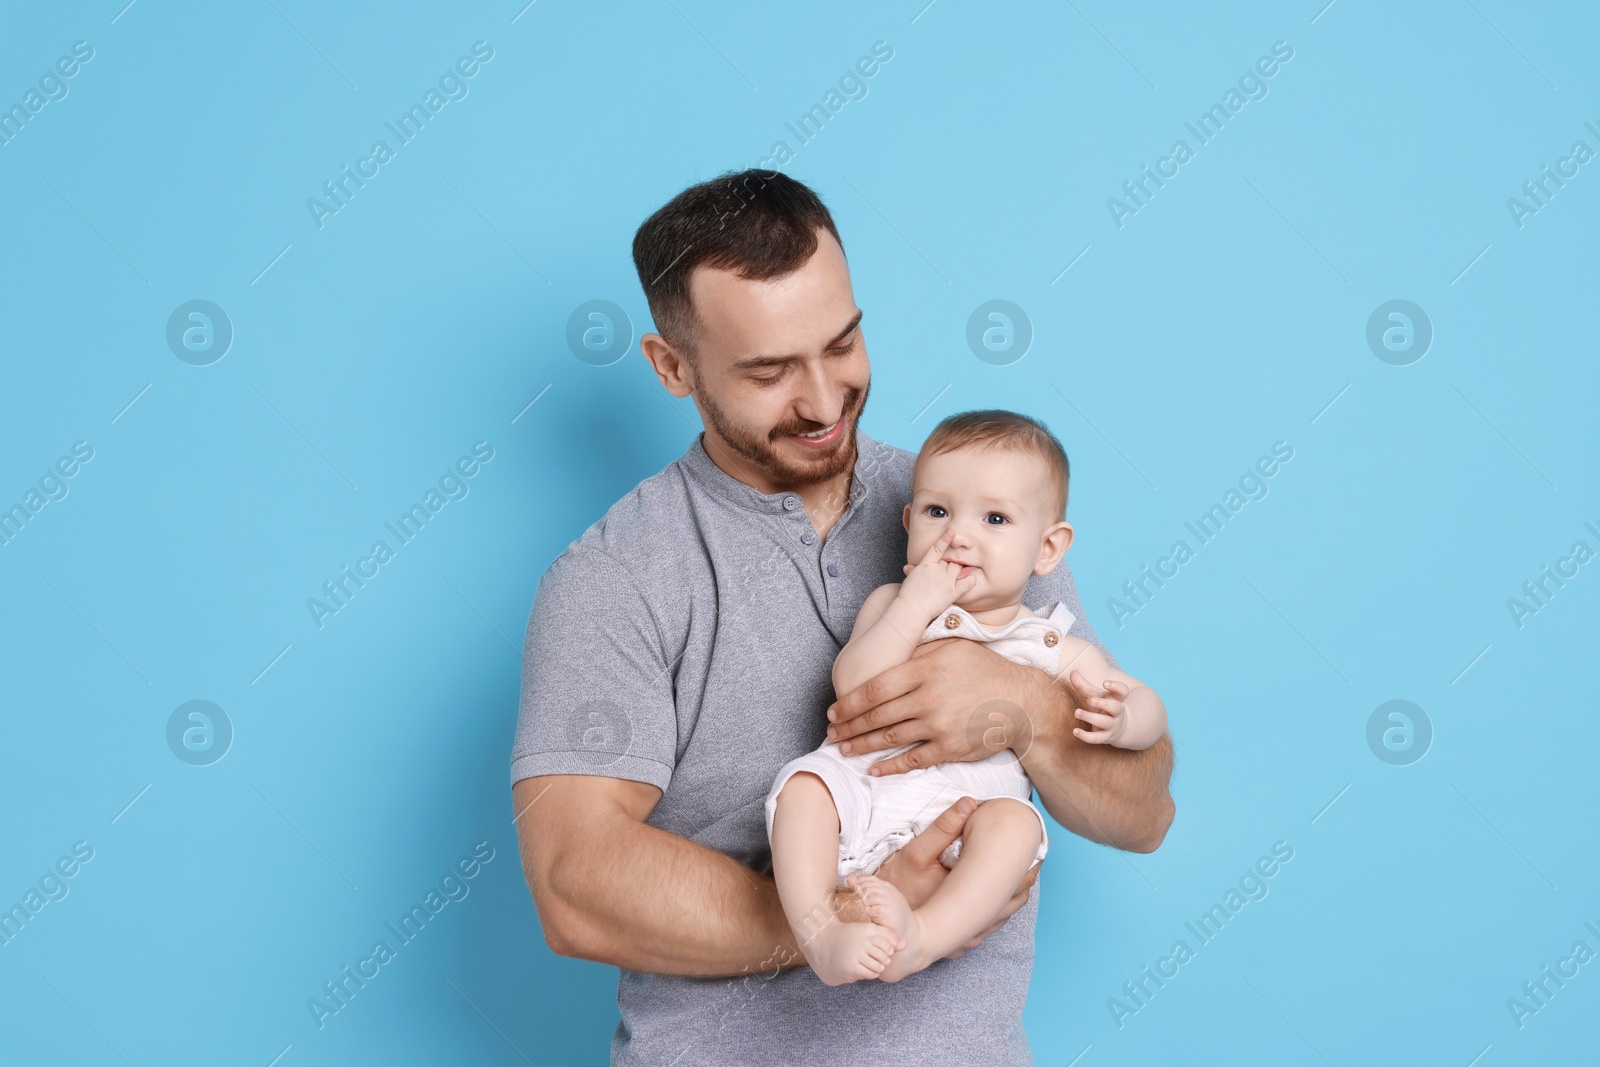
<point x="1226" y="315"/>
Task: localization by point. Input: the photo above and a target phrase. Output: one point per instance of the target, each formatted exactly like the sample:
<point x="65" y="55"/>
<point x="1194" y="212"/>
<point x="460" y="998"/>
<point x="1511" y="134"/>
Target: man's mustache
<point x="850" y="405"/>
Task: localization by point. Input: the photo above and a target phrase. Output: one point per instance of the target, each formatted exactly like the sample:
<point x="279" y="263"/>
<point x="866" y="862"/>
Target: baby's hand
<point x="1110" y="712"/>
<point x="934" y="584"/>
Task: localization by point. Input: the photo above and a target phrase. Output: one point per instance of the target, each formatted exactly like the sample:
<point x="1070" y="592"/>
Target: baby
<point x="989" y="496"/>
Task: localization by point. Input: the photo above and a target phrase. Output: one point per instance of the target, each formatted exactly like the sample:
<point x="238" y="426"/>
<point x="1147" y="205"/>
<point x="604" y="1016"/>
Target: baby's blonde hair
<point x="996" y="428"/>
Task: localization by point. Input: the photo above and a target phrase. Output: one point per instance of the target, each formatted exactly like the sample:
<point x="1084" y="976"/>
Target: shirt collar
<point x="725" y="486"/>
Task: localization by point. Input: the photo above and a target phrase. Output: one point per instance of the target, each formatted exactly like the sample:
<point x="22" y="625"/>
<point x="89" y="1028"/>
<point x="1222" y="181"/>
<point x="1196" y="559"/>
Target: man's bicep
<point x="564" y="824"/>
<point x="583" y="793"/>
<point x="552" y="811"/>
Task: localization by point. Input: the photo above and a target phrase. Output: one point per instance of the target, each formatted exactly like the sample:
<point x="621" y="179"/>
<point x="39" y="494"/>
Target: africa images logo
<point x="453" y="485"/>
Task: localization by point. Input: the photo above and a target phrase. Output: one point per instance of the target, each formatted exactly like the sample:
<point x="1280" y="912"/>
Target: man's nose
<point x="821" y="400"/>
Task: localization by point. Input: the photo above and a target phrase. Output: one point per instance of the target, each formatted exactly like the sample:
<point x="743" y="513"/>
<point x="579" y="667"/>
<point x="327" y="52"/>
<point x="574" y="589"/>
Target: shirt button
<point x="807" y="537"/>
<point x="1051" y="639"/>
<point x="790" y="503"/>
<point x="951" y="621"/>
<point x="833" y="570"/>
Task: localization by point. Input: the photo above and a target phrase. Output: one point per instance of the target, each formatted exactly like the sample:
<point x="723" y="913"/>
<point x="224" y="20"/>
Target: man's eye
<point x="845" y="351"/>
<point x="766" y="379"/>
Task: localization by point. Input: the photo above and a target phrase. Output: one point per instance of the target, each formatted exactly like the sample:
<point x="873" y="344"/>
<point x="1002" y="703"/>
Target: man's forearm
<point x="648" y="900"/>
<point x="1110" y="795"/>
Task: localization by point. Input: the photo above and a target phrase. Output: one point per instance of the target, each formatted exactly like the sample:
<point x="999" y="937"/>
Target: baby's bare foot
<point x="844" y="952"/>
<point x="890" y="909"/>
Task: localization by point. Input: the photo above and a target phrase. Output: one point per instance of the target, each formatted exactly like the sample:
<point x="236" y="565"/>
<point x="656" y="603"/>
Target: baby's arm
<point x="890" y="623"/>
<point x="888" y="627"/>
<point x="1129" y="713"/>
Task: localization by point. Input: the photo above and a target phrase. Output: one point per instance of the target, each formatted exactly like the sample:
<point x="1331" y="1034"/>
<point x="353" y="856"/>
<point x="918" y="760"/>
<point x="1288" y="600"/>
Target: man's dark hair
<point x="762" y="224"/>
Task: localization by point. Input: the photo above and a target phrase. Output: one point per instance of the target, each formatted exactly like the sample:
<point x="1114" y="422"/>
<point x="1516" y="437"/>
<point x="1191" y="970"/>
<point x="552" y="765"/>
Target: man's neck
<point x="824" y="501"/>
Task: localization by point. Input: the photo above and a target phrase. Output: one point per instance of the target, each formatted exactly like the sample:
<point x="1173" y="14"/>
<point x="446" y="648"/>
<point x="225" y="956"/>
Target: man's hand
<point x="915" y="870"/>
<point x="956" y="697"/>
<point x="957" y="700"/>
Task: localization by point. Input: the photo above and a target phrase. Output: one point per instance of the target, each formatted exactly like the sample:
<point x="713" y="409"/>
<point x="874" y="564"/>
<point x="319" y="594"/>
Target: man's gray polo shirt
<point x="687" y="640"/>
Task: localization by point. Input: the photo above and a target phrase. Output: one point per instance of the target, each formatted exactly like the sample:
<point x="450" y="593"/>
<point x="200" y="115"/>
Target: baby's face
<point x="995" y="502"/>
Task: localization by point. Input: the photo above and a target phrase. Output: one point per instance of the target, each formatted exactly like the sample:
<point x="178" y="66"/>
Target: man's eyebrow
<point x="846" y="331"/>
<point x="758" y="362"/>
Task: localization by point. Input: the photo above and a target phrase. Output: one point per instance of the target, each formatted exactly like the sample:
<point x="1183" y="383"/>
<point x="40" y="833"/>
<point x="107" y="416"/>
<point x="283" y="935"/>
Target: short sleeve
<point x="596" y="680"/>
<point x="1058" y="586"/>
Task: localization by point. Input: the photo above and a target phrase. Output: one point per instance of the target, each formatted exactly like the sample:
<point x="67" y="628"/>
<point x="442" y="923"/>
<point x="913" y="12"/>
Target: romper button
<point x="1050" y="638"/>
<point x="951" y="621"/>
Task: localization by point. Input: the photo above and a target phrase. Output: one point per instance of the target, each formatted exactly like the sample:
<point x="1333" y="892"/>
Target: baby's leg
<point x="805" y="863"/>
<point x="998" y="846"/>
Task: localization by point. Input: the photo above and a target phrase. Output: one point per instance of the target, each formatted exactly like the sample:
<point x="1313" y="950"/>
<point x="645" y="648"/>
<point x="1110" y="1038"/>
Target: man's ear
<point x="1057" y="539"/>
<point x="669" y="364"/>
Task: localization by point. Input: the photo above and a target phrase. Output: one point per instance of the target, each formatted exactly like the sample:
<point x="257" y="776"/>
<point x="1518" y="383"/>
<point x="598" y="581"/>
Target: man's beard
<point x="762" y="453"/>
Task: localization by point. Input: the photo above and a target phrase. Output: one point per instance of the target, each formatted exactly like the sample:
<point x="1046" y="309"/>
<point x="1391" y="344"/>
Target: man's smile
<point x="821" y="438"/>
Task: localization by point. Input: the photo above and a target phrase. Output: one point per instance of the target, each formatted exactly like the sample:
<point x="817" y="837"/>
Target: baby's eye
<point x="996" y="515"/>
<point x="934" y="511"/>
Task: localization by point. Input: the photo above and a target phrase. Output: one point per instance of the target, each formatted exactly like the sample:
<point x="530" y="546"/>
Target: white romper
<point x="880" y="814"/>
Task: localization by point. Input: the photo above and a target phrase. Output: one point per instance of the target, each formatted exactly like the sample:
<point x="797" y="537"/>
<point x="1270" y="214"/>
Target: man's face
<point x="995" y="504"/>
<point x="778" y="360"/>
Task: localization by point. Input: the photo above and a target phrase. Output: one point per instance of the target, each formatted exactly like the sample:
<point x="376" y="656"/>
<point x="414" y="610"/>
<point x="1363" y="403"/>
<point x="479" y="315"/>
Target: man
<point x="680" y="652"/>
